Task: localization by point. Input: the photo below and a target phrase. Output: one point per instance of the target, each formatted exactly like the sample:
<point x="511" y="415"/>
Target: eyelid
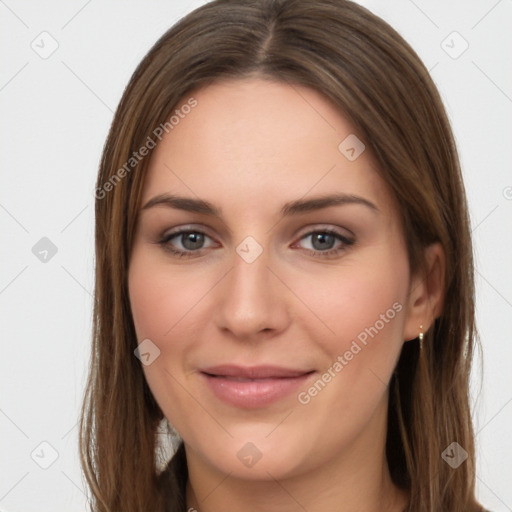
<point x="313" y="228"/>
<point x="185" y="228"/>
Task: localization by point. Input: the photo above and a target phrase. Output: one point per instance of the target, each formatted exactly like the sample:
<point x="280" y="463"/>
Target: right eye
<point x="191" y="241"/>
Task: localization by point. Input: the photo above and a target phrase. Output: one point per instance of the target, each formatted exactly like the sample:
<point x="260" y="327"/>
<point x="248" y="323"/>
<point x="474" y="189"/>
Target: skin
<point x="249" y="147"/>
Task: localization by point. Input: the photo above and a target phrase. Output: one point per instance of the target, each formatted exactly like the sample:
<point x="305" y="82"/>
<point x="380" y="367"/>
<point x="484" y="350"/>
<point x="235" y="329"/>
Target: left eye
<point x="322" y="242"/>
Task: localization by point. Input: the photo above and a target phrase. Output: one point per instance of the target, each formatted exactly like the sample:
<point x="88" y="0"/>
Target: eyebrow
<point x="299" y="206"/>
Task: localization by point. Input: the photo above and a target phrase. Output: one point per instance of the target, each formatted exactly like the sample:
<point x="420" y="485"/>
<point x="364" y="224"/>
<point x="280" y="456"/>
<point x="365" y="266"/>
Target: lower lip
<point x="253" y="394"/>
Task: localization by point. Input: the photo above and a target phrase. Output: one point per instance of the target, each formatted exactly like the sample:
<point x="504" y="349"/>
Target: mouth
<point x="253" y="387"/>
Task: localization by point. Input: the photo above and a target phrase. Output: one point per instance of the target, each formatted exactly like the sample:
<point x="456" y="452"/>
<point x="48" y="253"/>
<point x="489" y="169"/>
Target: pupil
<point x="195" y="239"/>
<point x="323" y="238"/>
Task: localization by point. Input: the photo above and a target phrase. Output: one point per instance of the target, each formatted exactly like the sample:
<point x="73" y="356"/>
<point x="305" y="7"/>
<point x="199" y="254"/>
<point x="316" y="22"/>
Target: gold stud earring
<point x="421" y="336"/>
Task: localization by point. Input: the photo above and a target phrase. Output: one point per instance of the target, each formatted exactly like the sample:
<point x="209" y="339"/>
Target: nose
<point x="252" y="300"/>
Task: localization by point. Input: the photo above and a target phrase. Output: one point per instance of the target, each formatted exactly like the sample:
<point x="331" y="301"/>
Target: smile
<point x="253" y="387"/>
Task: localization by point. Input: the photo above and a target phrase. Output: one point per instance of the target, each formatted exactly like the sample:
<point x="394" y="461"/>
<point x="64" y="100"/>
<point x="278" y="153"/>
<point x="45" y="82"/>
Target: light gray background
<point x="55" y="114"/>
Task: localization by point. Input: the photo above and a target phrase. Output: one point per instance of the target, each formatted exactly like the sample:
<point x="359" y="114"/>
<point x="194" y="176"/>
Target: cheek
<point x="364" y="306"/>
<point x="355" y="296"/>
<point x="160" y="298"/>
<point x="161" y="304"/>
<point x="168" y="307"/>
<point x="359" y="312"/>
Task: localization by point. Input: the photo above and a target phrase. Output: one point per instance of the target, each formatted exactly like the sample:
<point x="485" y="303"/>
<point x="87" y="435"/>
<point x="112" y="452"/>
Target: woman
<point x="284" y="273"/>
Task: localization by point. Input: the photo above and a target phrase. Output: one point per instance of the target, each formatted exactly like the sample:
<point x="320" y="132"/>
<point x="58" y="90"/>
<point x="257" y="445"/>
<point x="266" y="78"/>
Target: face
<point x="270" y="274"/>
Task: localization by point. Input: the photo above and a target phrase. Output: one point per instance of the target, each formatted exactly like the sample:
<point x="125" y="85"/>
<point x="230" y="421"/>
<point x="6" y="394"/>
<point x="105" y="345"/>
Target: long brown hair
<point x="364" y="66"/>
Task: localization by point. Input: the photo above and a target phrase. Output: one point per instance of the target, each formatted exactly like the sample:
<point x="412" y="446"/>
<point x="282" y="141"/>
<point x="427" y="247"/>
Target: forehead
<point x="261" y="140"/>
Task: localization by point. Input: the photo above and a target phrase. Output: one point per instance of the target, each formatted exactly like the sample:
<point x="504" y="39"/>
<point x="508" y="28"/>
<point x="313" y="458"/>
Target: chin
<point x="255" y="458"/>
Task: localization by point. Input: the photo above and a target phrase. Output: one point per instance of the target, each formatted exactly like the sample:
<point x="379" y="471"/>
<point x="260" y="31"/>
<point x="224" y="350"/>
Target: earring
<point x="421" y="337"/>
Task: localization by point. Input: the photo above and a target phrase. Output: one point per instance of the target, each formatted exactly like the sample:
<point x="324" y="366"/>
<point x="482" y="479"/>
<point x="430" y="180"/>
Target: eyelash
<point x="347" y="242"/>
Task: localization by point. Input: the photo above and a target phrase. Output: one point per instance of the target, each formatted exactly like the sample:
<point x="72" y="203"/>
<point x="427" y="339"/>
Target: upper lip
<point x="253" y="372"/>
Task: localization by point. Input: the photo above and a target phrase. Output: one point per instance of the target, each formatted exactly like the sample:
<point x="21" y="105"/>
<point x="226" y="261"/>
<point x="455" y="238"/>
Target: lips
<point x="253" y="372"/>
<point x="253" y="387"/>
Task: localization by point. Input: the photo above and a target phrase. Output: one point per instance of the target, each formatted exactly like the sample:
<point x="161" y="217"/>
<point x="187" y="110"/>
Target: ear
<point x="426" y="293"/>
